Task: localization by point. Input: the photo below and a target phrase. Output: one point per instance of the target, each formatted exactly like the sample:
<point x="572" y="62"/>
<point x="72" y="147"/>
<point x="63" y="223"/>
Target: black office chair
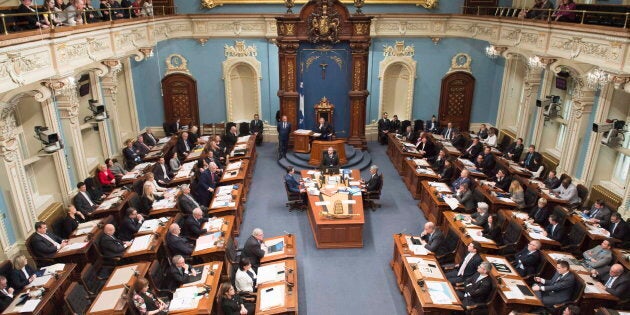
<point x="483" y="307"/>
<point x="294" y="199"/>
<point x="574" y="239"/>
<point x="418" y="125"/>
<point x="370" y="197"/>
<point x="446" y="253"/>
<point x="511" y="237"/>
<point x="77" y="299"/>
<point x="93" y="277"/>
<point x="582" y="192"/>
<point x="576" y="294"/>
<point x="243" y="129"/>
<point x="107" y="261"/>
<point x="561" y="214"/>
<point x="158" y="276"/>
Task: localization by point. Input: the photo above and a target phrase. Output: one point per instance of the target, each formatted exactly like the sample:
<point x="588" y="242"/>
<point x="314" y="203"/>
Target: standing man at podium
<point x="284" y="130"/>
<point x="324" y="129"/>
<point x="330" y="159"/>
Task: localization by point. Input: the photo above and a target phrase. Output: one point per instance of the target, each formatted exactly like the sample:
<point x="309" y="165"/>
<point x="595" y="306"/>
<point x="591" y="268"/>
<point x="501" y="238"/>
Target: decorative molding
<point x="202" y="41"/>
<point x="176" y="63"/>
<point x="240" y="50"/>
<point x="14" y="65"/>
<point x="210" y="4"/>
<point x="399" y="54"/>
<point x="461" y="62"/>
<point x="398" y="50"/>
<point x="8" y="130"/>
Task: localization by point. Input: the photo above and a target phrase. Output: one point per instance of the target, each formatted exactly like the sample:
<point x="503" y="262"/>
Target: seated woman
<point x="491" y="139"/>
<point x="54" y="17"/>
<point x="565" y="11"/>
<point x="22" y="274"/>
<point x="174" y="163"/>
<point x="492" y="230"/>
<point x="447" y="172"/>
<point x="145" y="302"/>
<point x="148" y="197"/>
<point x="232" y="303"/>
<point x="245" y="279"/>
<point x="157" y="189"/>
<point x="70" y="222"/>
<point x="517" y="194"/>
<point x="106" y="178"/>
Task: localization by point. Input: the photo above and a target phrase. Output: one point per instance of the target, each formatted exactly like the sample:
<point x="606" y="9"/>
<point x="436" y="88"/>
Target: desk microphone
<point x="287" y="233"/>
<point x="402" y="232"/>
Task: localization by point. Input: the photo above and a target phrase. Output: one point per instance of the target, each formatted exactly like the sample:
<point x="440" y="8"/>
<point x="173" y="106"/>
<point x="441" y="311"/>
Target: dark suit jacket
<point x="149" y="140"/>
<point x="532" y="163"/>
<point x="467" y="200"/>
<point x="459" y="142"/>
<point x="493" y="233"/>
<point x="438" y="165"/>
<point x="433" y="127"/>
<point x="434" y="241"/>
<point x="620" y="288"/>
<point x="557" y="234"/>
<point x="253" y="251"/>
<point x="474" y="151"/>
<point x="459" y="181"/>
<point x="447" y="173"/>
<point x="327" y="161"/>
<point x="68" y="225"/>
<point x="429" y="149"/>
<point x="383" y="125"/>
<point x="111" y="247"/>
<point x="230" y="139"/>
<point x="177" y="276"/>
<point x="603" y="215"/>
<point x="552" y="183"/>
<point x="541" y="217"/>
<point x="503" y="184"/>
<point x="17" y="280"/>
<point x="131" y="157"/>
<point x="410" y="136"/>
<point x="5" y="301"/>
<point x="479" y="219"/>
<point x="283" y="133"/>
<point x="373" y="183"/>
<point x="205" y="181"/>
<point x="159" y="173"/>
<point x="292" y="184"/>
<point x="558" y="290"/>
<point x="479" y="290"/>
<point x="127" y="228"/>
<point x="41" y="247"/>
<point x="141" y="149"/>
<point x="193" y="227"/>
<point x="471" y="268"/>
<point x="83" y="205"/>
<point x="178" y="245"/>
<point x="325" y="130"/>
<point x="30" y="19"/>
<point x="621" y="232"/>
<point x="530" y="261"/>
<point x="256" y="126"/>
<point x="488" y="164"/>
<point x="181" y="148"/>
<point x="445" y="131"/>
<point x="516" y="152"/>
<point x="186" y="206"/>
<point x="394" y="126"/>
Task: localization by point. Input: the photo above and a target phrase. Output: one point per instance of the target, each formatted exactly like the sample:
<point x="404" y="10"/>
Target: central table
<point x="336" y="232"/>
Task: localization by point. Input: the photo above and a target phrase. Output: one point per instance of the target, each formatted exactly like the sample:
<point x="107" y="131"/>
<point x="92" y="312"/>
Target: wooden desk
<point x="250" y="150"/>
<point x="509" y="279"/>
<point x="217" y="252"/>
<point x="318" y="147"/>
<point x="281" y="271"/>
<point x="52" y="298"/>
<point x="136" y="172"/>
<point x="432" y="205"/>
<point x="494" y="202"/>
<point x="149" y="253"/>
<point x="184" y="175"/>
<point x="235" y="208"/>
<point x="114" y="298"/>
<point x="302" y="141"/>
<point x="288" y="250"/>
<point x="620" y="256"/>
<point x="516" y="216"/>
<point x="397" y="152"/>
<point x="594" y="233"/>
<point x="550" y="267"/>
<point x="418" y="299"/>
<point x="513" y="167"/>
<point x="446" y="145"/>
<point x="465" y="234"/>
<point x="401" y="250"/>
<point x="117" y="209"/>
<point x="538" y="186"/>
<point x="290" y="303"/>
<point x="413" y="178"/>
<point x="168" y="210"/>
<point x="239" y="173"/>
<point x="209" y="279"/>
<point x="593" y="296"/>
<point x="160" y="150"/>
<point x="331" y="232"/>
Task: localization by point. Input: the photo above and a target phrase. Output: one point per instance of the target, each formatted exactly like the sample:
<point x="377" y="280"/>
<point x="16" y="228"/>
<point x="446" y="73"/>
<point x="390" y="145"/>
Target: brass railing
<point x="547" y="14"/>
<point x="157" y="11"/>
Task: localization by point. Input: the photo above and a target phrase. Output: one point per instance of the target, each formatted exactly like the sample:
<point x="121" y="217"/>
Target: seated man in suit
<point x="6" y="294"/>
<point x="527" y="260"/>
<point x="558" y="289"/>
<point x="446" y="175"/>
<point x="488" y="163"/>
<point x="132" y="158"/>
<point x="465" y="197"/>
<point x="599" y="213"/>
<point x="475" y="148"/>
<point x="293" y="185"/>
<point x="467" y="267"/>
<point x="230" y="138"/>
<point x="532" y="159"/>
<point x="437" y="164"/>
<point x="409" y="135"/>
<point x="193" y="224"/>
<point x="256" y="129"/>
<point x="183" y="146"/>
<point x="433" y="126"/>
<point x="162" y="174"/>
<point x="374" y="182"/>
<point x="180" y="272"/>
<point x="109" y="245"/>
<point x="83" y="202"/>
<point x="552" y="182"/>
<point x="44" y="244"/>
<point x="463" y="178"/>
<point x="515" y="150"/>
<point x="598" y="256"/>
<point x="618" y="228"/>
<point x="187" y="202"/>
<point x="130" y="224"/>
<point x="615" y="282"/>
<point x="394" y="125"/>
<point x="477" y="287"/>
<point x="330" y="159"/>
<point x="432" y="238"/>
<point x="177" y="244"/>
<point x="480" y="217"/>
<point x="323" y="128"/>
<point x="449" y="132"/>
<point x="554" y="230"/>
<point x="255" y="248"/>
<point x="149" y="138"/>
<point x="141" y="148"/>
<point x="540" y="213"/>
<point x="502" y="180"/>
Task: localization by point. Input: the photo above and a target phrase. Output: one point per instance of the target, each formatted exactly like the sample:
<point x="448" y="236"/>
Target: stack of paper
<point x="185" y="170"/>
<point x="271" y="273"/>
<point x="233" y="166"/>
<point x="53" y="269"/>
<point x="149" y="226"/>
<point x="479" y="238"/>
<point x="243" y="139"/>
<point x="466" y="162"/>
<point x="73" y="246"/>
<point x="108" y="203"/>
<point x="140" y="243"/>
<point x="416" y="249"/>
<point x="130" y="175"/>
<point x="30" y="306"/>
<point x="521" y="215"/>
<point x="164" y="204"/>
<point x="39" y="281"/>
<point x="184" y="298"/>
<point x="453" y="203"/>
<point x="514" y="293"/>
<point x="439" y="292"/>
<point x="272" y="297"/>
<point x="223" y="190"/>
<point x="214" y="225"/>
<point x="421" y="162"/>
<point x="538" y="236"/>
<point x="207" y="241"/>
<point x="222" y="203"/>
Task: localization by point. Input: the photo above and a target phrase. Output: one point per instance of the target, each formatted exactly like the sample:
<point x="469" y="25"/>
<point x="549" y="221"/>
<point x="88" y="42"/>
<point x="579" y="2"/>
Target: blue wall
<point x="587" y="138"/>
<point x="205" y="65"/>
<point x="433" y="62"/>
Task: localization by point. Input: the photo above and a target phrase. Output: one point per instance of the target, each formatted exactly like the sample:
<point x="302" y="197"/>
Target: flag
<point x="301" y="111"/>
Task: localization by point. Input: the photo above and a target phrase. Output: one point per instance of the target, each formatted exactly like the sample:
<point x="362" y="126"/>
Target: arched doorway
<point x="456" y="97"/>
<point x="180" y="99"/>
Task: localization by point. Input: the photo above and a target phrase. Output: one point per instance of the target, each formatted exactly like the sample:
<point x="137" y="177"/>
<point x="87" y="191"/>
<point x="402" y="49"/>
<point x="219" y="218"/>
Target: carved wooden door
<point x="180" y="99"/>
<point x="456" y="97"/>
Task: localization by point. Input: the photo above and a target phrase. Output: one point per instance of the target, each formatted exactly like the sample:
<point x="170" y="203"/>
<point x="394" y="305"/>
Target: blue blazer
<point x="283" y="133"/>
<point x="292" y="183"/>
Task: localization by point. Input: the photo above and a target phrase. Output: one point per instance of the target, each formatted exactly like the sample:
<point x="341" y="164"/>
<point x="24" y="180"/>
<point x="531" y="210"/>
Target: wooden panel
<point x="456" y="97"/>
<point x="180" y="99"/>
<point x="613" y="201"/>
<point x="549" y="162"/>
<point x="55" y="211"/>
<point x="326" y="234"/>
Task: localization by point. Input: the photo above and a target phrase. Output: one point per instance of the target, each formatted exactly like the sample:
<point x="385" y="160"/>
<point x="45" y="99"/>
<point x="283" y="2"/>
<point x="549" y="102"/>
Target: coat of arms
<point x="324" y="23"/>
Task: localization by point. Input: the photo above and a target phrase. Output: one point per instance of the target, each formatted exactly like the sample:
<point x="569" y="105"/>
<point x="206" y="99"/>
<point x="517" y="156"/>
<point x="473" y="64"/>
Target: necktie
<point x="610" y="282"/>
<point x="553" y="228"/>
<point x="613" y="229"/>
<point x="529" y="157"/>
<point x="250" y="274"/>
<point x="165" y="172"/>
<point x="537" y="213"/>
<point x="5" y="292"/>
<point x="558" y="279"/>
<point x="186" y="144"/>
<point x="448" y="133"/>
<point x="594" y="213"/>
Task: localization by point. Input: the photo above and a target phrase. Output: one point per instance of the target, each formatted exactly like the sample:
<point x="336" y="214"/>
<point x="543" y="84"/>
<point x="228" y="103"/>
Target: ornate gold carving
<point x="290" y="76"/>
<point x="15" y="65"/>
<point x="436" y="40"/>
<point x="324" y="23"/>
<point x="398" y="50"/>
<point x="461" y="62"/>
<point x="310" y="60"/>
<point x="176" y="63"/>
<point x="210" y="4"/>
<point x="202" y="41"/>
<point x="240" y="50"/>
<point x="361" y="29"/>
<point x="428" y="4"/>
<point x="324" y="104"/>
<point x="337" y="60"/>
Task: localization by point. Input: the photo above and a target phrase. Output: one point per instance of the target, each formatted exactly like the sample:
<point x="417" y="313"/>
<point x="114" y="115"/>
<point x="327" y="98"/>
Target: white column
<point x="103" y="126"/>
<point x="580" y="110"/>
<point x="594" y="144"/>
<point x="511" y="61"/>
<point x="528" y="106"/>
<point x="109" y="83"/>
